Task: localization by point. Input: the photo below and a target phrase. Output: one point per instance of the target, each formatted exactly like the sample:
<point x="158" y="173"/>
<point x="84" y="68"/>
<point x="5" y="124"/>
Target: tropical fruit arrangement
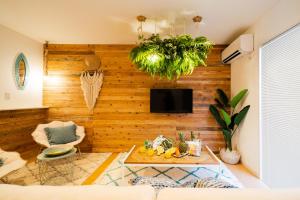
<point x="165" y="146"/>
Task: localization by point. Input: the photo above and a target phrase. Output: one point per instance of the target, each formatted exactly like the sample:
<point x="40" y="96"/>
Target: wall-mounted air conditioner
<point x="241" y="46"/>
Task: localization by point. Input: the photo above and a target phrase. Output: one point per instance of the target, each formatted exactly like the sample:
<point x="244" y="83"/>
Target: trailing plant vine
<point x="171" y="57"/>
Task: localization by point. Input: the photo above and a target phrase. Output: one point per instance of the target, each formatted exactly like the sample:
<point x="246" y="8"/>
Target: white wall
<point x="245" y="74"/>
<point x="11" y="44"/>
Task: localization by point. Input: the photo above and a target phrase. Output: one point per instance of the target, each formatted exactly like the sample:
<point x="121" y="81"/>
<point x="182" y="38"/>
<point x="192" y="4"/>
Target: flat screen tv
<point x="171" y="100"/>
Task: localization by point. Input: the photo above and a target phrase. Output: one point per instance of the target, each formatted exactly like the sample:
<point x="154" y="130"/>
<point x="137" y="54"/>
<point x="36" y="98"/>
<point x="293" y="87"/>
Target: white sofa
<point x="97" y="192"/>
<point x="12" y="162"/>
<point x="228" y="194"/>
<point x="91" y="192"/>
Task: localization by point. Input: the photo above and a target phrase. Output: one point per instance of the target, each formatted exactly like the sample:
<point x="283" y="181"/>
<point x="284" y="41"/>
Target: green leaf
<point x="227" y="136"/>
<point x="219" y="104"/>
<point x="214" y="111"/>
<point x="241" y="115"/>
<point x="223" y="97"/>
<point x="170" y="57"/>
<point x="237" y="98"/>
<point x="231" y="125"/>
<point x="226" y="117"/>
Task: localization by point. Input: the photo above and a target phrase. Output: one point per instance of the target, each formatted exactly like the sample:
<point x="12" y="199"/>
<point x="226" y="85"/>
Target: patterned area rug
<point x="113" y="174"/>
<point x="84" y="166"/>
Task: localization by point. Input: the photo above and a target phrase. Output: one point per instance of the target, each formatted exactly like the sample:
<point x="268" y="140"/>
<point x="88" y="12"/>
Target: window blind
<point x="280" y="110"/>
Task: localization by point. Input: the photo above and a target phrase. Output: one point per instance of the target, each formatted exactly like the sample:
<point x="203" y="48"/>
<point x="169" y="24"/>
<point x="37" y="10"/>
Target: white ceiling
<point x="113" y="21"/>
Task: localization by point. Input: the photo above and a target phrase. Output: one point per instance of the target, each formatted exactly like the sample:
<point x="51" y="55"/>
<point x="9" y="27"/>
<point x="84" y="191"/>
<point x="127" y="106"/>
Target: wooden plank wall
<point x="16" y="127"/>
<point x="121" y="116"/>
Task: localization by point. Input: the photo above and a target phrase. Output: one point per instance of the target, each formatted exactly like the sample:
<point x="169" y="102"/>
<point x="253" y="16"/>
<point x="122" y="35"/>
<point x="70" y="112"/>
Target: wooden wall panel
<point x="121" y="116"/>
<point x="16" y="127"/>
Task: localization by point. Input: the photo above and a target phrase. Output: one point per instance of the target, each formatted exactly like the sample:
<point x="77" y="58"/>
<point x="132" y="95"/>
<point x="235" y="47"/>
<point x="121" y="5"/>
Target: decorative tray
<point x="57" y="151"/>
<point x="181" y="155"/>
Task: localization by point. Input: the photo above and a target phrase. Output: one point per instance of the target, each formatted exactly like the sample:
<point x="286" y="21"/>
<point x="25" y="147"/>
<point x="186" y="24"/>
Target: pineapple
<point x="192" y="136"/>
<point x="183" y="146"/>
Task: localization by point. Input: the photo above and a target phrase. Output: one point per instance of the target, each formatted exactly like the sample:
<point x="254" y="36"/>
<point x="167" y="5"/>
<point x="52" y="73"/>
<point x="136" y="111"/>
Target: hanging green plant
<point x="171" y="57"/>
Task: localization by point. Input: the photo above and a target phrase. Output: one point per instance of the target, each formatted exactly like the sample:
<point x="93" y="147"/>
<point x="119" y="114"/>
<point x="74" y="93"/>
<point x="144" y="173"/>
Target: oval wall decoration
<point x="21" y="71"/>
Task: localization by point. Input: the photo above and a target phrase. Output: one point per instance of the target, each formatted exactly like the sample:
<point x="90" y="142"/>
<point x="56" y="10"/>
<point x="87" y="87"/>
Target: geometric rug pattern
<point x="88" y="163"/>
<point x="84" y="166"/>
<point x="178" y="175"/>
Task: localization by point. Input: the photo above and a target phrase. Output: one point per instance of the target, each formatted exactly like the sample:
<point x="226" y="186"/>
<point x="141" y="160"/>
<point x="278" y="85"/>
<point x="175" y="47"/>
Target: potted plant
<point x="171" y="57"/>
<point x="226" y="114"/>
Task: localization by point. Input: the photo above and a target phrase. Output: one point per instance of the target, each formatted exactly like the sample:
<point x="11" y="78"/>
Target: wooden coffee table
<point x="134" y="158"/>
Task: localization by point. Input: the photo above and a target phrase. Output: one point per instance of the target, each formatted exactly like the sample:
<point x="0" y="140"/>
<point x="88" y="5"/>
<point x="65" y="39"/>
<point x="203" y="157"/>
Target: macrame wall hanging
<point x="91" y="81"/>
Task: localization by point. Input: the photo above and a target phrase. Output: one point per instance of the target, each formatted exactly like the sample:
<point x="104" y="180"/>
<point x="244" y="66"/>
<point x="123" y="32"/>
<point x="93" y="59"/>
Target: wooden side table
<point x="65" y="160"/>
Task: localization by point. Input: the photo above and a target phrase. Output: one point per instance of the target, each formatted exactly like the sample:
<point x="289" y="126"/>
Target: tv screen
<point x="171" y="100"/>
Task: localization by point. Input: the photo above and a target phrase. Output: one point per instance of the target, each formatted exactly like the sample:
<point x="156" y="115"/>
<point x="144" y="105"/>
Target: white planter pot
<point x="230" y="157"/>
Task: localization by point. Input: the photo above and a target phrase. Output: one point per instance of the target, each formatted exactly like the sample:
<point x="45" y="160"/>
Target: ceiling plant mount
<point x="141" y="19"/>
<point x="197" y="19"/>
<point x="171" y="57"/>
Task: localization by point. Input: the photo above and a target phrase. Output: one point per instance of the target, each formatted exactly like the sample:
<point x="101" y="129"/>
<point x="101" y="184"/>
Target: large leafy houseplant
<point x="171" y="57"/>
<point x="229" y="120"/>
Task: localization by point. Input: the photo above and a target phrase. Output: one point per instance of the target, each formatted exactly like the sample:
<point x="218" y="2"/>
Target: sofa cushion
<point x="228" y="194"/>
<point x="156" y="183"/>
<point x="160" y="183"/>
<point x="61" y="135"/>
<point x="211" y="182"/>
<point x="91" y="192"/>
